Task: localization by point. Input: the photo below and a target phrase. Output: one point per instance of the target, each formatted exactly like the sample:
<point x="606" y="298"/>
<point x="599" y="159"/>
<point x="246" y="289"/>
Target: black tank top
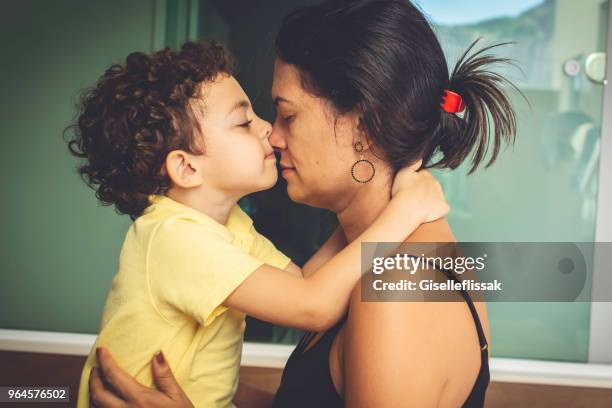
<point x="307" y="382"/>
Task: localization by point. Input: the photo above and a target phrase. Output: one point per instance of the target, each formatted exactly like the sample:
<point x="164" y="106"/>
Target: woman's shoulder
<point x="411" y="319"/>
<point x="419" y="339"/>
<point x="365" y="313"/>
<point x="435" y="231"/>
<point x="431" y="232"/>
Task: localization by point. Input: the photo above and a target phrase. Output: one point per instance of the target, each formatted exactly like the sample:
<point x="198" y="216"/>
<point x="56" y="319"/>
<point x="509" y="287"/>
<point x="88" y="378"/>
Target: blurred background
<point x="60" y="247"/>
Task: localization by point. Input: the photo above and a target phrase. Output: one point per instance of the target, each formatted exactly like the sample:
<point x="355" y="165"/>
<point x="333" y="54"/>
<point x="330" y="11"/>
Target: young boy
<point x="171" y="140"/>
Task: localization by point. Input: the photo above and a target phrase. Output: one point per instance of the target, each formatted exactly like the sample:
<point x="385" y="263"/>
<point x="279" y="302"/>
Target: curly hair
<point x="135" y="115"/>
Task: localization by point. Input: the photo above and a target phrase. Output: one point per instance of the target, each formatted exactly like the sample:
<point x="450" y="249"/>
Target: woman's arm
<point x="112" y="387"/>
<point x="248" y="396"/>
<point x="319" y="301"/>
<point x="126" y="392"/>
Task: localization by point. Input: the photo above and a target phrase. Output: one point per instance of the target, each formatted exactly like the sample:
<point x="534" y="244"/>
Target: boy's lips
<point x="271" y="156"/>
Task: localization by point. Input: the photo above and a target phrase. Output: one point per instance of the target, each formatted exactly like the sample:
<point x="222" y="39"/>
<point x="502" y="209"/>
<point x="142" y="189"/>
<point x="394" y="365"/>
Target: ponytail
<point x="487" y="109"/>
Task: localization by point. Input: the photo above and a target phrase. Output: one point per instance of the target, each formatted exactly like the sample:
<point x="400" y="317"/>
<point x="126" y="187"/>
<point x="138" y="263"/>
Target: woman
<point x="362" y="89"/>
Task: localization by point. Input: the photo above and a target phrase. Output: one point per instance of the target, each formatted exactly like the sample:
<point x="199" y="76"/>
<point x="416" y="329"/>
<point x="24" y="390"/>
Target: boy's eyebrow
<point x="239" y="105"/>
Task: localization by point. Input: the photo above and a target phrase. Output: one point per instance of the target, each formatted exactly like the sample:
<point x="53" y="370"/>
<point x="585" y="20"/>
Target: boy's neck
<point x="216" y="204"/>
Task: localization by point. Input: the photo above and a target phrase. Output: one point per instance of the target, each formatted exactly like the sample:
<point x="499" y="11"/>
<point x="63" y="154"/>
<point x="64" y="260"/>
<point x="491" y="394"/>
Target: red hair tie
<point x="452" y="102"/>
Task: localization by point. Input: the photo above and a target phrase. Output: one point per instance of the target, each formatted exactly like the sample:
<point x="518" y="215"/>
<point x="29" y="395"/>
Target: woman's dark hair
<point x="135" y="115"/>
<point x="382" y="58"/>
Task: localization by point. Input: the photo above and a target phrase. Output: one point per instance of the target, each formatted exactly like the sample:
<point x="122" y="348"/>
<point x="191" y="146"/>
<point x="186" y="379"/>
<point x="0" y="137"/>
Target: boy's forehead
<point x="223" y="84"/>
<point x="220" y="95"/>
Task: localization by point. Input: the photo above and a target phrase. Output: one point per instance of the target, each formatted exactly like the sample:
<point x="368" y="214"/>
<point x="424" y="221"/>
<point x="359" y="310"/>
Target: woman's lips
<point x="286" y="170"/>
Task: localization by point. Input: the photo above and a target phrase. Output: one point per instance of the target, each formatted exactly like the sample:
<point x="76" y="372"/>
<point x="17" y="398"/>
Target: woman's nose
<point x="276" y="139"/>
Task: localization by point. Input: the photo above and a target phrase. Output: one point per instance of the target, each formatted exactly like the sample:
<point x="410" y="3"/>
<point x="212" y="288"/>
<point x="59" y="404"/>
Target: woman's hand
<point x="421" y="186"/>
<point x="111" y="387"/>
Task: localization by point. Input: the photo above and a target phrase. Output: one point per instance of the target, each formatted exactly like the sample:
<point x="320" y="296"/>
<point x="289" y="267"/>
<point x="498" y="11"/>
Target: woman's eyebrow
<point x="279" y="99"/>
<point x="239" y="105"/>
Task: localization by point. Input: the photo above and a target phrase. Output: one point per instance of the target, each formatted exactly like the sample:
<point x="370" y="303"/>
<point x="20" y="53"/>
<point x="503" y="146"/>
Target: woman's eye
<point x="288" y="119"/>
<point x="246" y="124"/>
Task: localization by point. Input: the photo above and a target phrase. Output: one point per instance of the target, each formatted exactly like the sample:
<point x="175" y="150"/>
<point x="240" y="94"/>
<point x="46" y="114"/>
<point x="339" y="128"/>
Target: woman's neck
<point x="370" y="201"/>
<point x="367" y="203"/>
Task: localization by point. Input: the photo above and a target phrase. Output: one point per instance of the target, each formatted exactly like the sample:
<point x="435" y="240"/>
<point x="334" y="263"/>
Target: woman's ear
<point x="361" y="133"/>
<point x="183" y="170"/>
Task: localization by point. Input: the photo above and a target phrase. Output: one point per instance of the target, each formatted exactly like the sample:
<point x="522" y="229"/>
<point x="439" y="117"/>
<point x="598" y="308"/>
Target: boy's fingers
<point x="163" y="377"/>
<point x="99" y="395"/>
<point x="124" y="384"/>
<point x="415" y="166"/>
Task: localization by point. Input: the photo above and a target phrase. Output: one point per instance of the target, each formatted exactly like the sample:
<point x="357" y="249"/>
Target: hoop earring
<point x="361" y="162"/>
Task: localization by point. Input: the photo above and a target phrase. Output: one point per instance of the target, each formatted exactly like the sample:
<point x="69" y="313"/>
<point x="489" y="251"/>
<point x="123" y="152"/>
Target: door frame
<point x="600" y="331"/>
<point x="175" y="21"/>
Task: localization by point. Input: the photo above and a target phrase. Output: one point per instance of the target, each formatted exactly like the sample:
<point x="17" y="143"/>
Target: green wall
<point x="59" y="247"/>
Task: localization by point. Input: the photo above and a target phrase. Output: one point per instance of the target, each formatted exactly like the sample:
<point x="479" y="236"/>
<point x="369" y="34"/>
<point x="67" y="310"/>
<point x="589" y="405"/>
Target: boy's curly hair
<point x="136" y="114"/>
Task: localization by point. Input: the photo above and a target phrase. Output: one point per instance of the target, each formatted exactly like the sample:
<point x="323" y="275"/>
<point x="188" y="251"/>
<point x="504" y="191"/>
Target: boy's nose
<point x="266" y="129"/>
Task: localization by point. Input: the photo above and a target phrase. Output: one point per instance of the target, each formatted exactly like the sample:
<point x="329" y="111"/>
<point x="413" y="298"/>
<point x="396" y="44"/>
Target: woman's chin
<point x="295" y="193"/>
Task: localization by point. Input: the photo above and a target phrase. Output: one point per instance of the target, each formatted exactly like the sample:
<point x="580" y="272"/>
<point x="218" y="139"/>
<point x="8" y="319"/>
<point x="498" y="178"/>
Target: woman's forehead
<point x="287" y="89"/>
<point x="285" y="82"/>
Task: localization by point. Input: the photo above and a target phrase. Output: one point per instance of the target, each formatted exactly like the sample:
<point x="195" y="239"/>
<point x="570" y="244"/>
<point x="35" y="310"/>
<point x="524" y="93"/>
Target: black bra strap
<point x="330" y="333"/>
<point x="305" y="340"/>
<point x="482" y="340"/>
<point x="481" y="336"/>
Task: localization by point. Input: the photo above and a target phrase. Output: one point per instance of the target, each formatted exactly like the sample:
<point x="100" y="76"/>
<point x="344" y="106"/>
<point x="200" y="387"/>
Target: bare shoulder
<point x="440" y="231"/>
<point x="425" y="351"/>
<point x="400" y="317"/>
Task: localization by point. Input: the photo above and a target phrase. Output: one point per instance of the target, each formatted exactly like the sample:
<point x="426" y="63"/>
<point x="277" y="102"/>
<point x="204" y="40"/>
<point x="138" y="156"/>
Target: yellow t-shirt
<point x="176" y="267"/>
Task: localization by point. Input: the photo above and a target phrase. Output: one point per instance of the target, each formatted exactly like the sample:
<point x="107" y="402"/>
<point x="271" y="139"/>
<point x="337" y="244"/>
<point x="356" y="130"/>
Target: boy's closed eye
<point x="239" y="113"/>
<point x="245" y="124"/>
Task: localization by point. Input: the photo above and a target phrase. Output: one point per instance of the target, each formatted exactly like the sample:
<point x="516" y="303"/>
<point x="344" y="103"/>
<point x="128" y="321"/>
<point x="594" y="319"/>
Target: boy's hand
<point x="422" y="189"/>
<point x="127" y="392"/>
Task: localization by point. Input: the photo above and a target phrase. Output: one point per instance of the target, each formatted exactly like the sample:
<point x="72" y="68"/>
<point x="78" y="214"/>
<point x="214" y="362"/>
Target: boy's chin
<point x="267" y="182"/>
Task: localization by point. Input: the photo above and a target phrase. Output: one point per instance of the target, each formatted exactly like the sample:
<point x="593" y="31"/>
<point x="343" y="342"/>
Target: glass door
<point x="544" y="189"/>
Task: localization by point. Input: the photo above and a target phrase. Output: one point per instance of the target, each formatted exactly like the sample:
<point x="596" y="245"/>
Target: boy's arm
<point x="328" y="250"/>
<point x="330" y="247"/>
<point x="293" y="269"/>
<point x="318" y="302"/>
<point x="334" y="244"/>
